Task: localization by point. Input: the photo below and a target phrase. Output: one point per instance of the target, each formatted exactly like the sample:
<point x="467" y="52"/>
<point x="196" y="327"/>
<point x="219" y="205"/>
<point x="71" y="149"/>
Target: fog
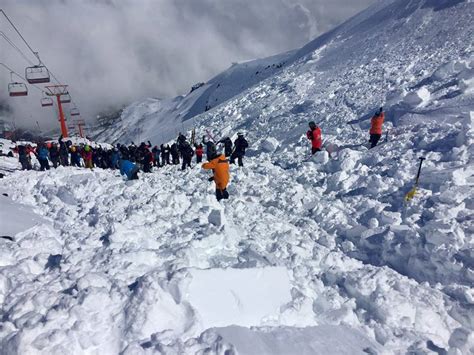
<point x="112" y="52"/>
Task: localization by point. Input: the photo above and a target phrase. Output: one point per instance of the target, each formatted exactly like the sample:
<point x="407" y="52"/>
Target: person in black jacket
<point x="240" y="145"/>
<point x="174" y="153"/>
<point x="187" y="153"/>
<point x="54" y="155"/>
<point x="227" y="146"/>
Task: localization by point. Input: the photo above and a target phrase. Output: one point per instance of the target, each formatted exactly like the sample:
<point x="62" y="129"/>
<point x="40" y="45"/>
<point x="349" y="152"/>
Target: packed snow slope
<point x="321" y="252"/>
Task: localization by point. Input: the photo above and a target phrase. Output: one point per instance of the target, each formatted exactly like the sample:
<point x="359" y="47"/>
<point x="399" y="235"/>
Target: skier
<point x="314" y="135"/>
<point x="227" y="146"/>
<point x="42" y="155"/>
<point x="199" y="153"/>
<point x="376" y="127"/>
<point x="129" y="169"/>
<point x="220" y="167"/>
<point x="147" y="160"/>
<point x="187" y="153"/>
<point x="240" y="145"/>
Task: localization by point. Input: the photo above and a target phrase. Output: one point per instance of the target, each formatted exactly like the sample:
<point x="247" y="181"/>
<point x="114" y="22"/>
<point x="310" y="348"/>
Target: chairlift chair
<point x="65" y="98"/>
<point x="17" y="89"/>
<point x="37" y="74"/>
<point x="46" y="101"/>
<point x="74" y="112"/>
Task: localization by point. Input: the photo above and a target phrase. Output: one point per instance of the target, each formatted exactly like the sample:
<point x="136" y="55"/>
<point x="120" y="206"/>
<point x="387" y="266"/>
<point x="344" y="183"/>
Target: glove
<point x="211" y="178"/>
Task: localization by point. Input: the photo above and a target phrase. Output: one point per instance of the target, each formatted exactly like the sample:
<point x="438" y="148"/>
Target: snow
<point x="246" y="297"/>
<point x="16" y="217"/>
<point x="157" y="265"/>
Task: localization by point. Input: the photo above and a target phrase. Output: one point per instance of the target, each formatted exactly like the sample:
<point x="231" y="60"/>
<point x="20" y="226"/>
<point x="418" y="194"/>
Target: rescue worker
<point x="220" y="168"/>
<point x="240" y="145"/>
<point x="376" y="127"/>
<point x="314" y="135"/>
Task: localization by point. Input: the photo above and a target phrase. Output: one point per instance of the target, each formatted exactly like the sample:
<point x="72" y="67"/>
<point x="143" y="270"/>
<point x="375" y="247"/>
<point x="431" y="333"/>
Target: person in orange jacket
<point x="376" y="127"/>
<point x="220" y="167"/>
<point x="314" y="135"/>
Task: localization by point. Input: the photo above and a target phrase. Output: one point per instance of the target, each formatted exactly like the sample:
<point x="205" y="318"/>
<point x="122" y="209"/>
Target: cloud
<point x="112" y="52"/>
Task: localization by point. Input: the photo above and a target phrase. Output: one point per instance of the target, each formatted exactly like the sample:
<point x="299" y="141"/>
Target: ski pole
<point x="412" y="192"/>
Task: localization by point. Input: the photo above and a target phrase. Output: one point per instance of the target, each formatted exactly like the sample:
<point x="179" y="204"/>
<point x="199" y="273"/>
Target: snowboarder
<point x="314" y="135"/>
<point x="220" y="167"/>
<point x="227" y="146"/>
<point x="128" y="169"/>
<point x="376" y="127"/>
<point x="240" y="145"/>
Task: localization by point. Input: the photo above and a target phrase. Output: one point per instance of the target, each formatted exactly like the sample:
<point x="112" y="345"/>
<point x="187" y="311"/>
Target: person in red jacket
<point x="199" y="153"/>
<point x="376" y="127"/>
<point x="314" y="135"/>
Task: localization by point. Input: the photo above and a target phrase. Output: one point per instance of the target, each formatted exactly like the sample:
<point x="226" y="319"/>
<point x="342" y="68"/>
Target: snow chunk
<point x="246" y="297"/>
<point x="420" y="97"/>
<point x="269" y="145"/>
<point x="216" y="218"/>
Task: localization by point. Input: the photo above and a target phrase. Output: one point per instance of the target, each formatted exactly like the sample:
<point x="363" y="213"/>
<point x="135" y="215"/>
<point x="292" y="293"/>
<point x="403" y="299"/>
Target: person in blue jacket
<point x="115" y="158"/>
<point x="42" y="154"/>
<point x="129" y="169"/>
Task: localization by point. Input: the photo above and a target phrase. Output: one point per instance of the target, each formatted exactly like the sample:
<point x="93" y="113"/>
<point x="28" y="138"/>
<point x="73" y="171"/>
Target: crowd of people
<point x="132" y="158"/>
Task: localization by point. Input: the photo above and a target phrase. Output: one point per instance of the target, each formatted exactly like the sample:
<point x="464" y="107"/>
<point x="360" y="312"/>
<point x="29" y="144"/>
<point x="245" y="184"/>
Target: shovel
<point x="409" y="196"/>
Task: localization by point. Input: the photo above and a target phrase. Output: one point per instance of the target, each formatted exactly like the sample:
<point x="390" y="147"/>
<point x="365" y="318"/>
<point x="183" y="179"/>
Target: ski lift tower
<point x="80" y="125"/>
<point x="59" y="91"/>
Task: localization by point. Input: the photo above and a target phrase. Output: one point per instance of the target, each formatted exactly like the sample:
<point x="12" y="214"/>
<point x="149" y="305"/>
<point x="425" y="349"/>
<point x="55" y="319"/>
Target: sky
<point x="114" y="52"/>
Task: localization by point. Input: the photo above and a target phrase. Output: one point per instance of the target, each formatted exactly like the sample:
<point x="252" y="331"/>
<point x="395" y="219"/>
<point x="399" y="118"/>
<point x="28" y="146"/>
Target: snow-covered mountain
<point x="310" y="254"/>
<point x="161" y="120"/>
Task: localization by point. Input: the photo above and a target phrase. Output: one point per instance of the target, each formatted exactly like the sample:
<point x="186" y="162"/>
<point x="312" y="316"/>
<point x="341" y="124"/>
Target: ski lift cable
<point x="32" y="51"/>
<point x="11" y="43"/>
<point x="28" y="45"/>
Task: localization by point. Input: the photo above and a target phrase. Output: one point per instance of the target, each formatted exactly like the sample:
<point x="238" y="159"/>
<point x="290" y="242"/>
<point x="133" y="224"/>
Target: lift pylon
<point x="59" y="91"/>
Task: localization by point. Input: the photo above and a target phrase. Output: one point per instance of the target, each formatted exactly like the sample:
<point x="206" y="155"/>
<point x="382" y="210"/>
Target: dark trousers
<point x="374" y="139"/>
<point x="186" y="163"/>
<point x="239" y="158"/>
<point x="55" y="162"/>
<point x="198" y="158"/>
<point x="222" y="194"/>
<point x="175" y="159"/>
<point x="314" y="150"/>
<point x="44" y="164"/>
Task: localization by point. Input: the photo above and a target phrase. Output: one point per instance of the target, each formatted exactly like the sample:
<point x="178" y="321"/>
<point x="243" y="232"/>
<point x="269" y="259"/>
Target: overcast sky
<point x="112" y="52"/>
